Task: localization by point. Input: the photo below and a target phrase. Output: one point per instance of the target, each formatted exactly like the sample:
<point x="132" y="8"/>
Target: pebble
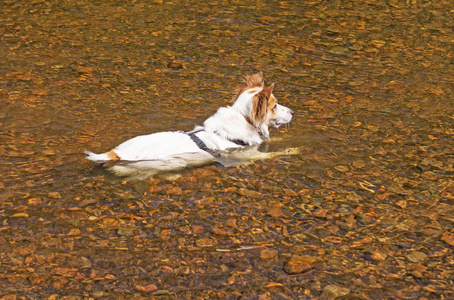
<point x="416" y="256"/>
<point x="334" y="291"/>
<point x="301" y="263"/>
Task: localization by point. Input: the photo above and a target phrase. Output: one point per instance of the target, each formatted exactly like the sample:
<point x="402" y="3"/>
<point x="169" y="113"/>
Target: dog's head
<point x="259" y="106"/>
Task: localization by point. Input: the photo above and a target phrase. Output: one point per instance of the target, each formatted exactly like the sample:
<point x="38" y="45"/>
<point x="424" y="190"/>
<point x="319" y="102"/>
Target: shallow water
<point x="364" y="212"/>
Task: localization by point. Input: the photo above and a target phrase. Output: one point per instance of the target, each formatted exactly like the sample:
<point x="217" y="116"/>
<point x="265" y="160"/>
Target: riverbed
<point x="364" y="211"/>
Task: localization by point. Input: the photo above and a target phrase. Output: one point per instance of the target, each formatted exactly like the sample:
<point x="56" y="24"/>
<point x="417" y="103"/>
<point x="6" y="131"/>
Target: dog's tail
<point x="98" y="158"/>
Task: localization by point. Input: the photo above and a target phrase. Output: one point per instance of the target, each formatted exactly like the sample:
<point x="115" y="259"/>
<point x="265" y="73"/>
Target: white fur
<point x="168" y="151"/>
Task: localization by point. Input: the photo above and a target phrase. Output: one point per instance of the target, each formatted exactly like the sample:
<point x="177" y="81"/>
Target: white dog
<point x="240" y="128"/>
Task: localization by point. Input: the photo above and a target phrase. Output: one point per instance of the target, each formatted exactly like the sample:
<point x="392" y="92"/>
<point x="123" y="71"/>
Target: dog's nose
<point x="292" y="112"/>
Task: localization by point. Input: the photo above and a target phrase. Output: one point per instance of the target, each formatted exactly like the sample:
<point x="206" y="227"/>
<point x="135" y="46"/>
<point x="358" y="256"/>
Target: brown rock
<point x="147" y="289"/>
<point x="448" y="238"/>
<point x="249" y="193"/>
<point x="268" y="253"/>
<point x="302" y="263"/>
<point x="378" y="256"/>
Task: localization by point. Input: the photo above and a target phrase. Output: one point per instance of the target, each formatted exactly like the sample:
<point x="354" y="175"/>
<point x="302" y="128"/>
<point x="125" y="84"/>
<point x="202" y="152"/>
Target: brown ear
<point x="268" y="90"/>
<point x="258" y="109"/>
<point x="260" y="105"/>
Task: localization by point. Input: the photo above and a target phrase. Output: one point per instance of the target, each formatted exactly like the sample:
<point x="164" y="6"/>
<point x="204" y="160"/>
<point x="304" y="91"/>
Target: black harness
<point x="203" y="146"/>
<point x="199" y="142"/>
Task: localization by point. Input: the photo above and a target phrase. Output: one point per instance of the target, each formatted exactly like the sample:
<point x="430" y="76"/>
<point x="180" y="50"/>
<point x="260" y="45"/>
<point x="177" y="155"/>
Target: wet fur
<point x="233" y="131"/>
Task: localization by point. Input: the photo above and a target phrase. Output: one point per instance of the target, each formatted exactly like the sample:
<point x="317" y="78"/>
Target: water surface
<point x="364" y="212"/>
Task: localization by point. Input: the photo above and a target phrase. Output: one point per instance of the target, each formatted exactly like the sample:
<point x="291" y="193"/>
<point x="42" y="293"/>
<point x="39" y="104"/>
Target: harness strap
<point x="239" y="142"/>
<point x="201" y="144"/>
<point x="235" y="141"/>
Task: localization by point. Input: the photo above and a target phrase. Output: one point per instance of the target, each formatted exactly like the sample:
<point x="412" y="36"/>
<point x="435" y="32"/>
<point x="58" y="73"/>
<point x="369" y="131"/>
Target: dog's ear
<point x="260" y="105"/>
<point x="258" y="113"/>
<point x="269" y="90"/>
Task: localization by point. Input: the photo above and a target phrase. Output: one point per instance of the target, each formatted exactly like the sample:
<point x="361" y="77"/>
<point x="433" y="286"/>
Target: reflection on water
<point x="364" y="211"/>
<point x="149" y="168"/>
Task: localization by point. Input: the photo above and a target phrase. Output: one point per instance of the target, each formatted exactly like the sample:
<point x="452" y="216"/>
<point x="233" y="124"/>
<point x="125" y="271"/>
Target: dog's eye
<point x="275" y="106"/>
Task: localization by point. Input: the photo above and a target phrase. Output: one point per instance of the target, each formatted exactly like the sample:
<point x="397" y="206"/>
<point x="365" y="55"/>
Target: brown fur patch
<point x="261" y="103"/>
<point x="250" y="81"/>
<point x="112" y="155"/>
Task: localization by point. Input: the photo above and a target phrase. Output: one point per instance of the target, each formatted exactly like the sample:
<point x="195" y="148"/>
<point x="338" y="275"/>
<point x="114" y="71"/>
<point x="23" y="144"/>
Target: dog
<point x="233" y="133"/>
